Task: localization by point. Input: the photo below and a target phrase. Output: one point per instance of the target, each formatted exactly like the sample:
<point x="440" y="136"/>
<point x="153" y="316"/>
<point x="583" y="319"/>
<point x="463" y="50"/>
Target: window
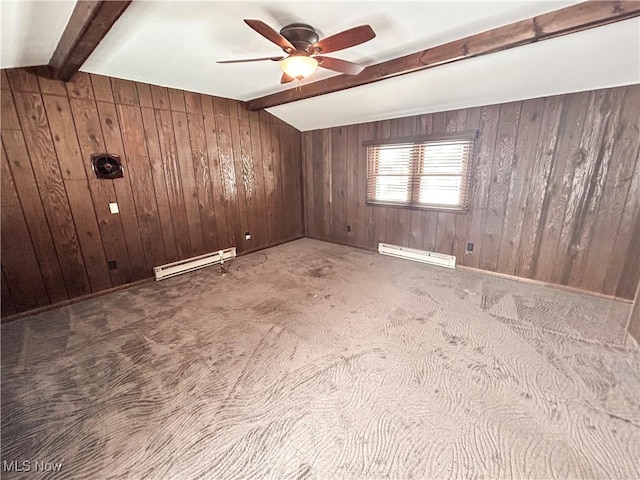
<point x="424" y="173"/>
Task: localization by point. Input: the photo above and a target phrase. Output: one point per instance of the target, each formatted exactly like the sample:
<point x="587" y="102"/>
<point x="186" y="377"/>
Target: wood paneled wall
<point x="200" y="171"/>
<point x="555" y="193"/>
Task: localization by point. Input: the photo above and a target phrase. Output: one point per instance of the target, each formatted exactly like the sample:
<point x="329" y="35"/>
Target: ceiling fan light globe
<point x="299" y="66"/>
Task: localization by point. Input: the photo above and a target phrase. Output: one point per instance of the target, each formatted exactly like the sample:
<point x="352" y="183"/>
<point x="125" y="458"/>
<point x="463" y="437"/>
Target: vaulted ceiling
<point x="177" y="44"/>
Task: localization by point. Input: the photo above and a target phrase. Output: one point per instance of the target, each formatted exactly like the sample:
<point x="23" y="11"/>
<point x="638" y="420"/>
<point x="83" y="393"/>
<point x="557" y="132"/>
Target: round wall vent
<point x="107" y="165"/>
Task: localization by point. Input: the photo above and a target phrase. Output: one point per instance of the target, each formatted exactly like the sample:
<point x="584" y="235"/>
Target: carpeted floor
<point x="314" y="360"/>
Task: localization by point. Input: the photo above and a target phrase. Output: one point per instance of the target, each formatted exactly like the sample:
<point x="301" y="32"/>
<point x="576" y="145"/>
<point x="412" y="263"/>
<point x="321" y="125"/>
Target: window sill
<point x="409" y="206"/>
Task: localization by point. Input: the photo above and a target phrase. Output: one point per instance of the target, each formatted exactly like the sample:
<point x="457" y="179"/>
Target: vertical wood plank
<point x="45" y="164"/>
<point x="143" y="91"/>
<point x="269" y="179"/>
<point x="630" y="274"/>
<point x="327" y="180"/>
<point x="523" y="161"/>
<point x="307" y="177"/>
<point x="248" y="180"/>
<point x="462" y="219"/>
<point x="8" y="110"/>
<point x="176" y="100"/>
<point x="188" y="182"/>
<point x="582" y="275"/>
<point x="224" y="237"/>
<point x="221" y="107"/>
<point x="318" y="172"/>
<point x="549" y="262"/>
<point x="363" y="224"/>
<point x="625" y="181"/>
<point x="233" y="108"/>
<point x="555" y="240"/>
<point x="203" y="182"/>
<point x="124" y="92"/>
<point x="101" y="86"/>
<point x="481" y="178"/>
<point x="23" y="80"/>
<point x="281" y="214"/>
<point x="159" y="183"/>
<point x="24" y="278"/>
<point x="286" y="177"/>
<point x="51" y="87"/>
<point x="241" y="159"/>
<point x="124" y="194"/>
<point x="294" y="174"/>
<point x="4" y="80"/>
<point x="206" y="102"/>
<point x="7" y="304"/>
<point x="501" y="169"/>
<point x="243" y="113"/>
<point x="144" y="194"/>
<point x="15" y="151"/>
<point x="193" y="102"/>
<point x="160" y="96"/>
<point x="262" y="219"/>
<point x="351" y="189"/>
<point x="175" y="194"/>
<point x="543" y="163"/>
<point x="65" y="141"/>
<point x="88" y="233"/>
<point x="19" y="263"/>
<point x="67" y="148"/>
<point x="85" y="115"/>
<point x="80" y="86"/>
<point x="339" y="184"/>
<point x="633" y="324"/>
<point x="228" y="177"/>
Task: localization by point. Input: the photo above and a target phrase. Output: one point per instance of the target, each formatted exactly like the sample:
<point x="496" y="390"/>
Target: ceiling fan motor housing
<point x="302" y="46"/>
<point x="301" y="35"/>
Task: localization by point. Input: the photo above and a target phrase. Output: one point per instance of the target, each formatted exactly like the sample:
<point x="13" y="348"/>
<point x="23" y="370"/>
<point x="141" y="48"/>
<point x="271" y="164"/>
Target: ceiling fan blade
<point x="286" y="79"/>
<point x="275" y="59"/>
<point x="348" y="38"/>
<point x="337" y="65"/>
<point x="270" y="34"/>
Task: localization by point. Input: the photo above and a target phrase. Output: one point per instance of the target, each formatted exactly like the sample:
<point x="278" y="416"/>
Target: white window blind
<point x="424" y="173"/>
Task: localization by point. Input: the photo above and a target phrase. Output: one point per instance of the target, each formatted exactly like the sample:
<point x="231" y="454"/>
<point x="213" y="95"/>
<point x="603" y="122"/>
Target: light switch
<point x="113" y="208"/>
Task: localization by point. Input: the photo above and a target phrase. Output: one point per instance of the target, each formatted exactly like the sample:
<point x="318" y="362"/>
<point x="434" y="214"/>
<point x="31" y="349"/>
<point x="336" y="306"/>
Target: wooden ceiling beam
<point x="572" y="19"/>
<point x="89" y="23"/>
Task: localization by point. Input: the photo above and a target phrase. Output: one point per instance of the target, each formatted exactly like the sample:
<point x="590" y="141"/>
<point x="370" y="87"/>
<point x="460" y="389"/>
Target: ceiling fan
<point x="305" y="51"/>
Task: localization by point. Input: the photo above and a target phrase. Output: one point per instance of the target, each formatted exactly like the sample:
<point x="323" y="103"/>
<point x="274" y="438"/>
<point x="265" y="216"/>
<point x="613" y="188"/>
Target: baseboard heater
<point x="194" y="263"/>
<point x="423" y="256"/>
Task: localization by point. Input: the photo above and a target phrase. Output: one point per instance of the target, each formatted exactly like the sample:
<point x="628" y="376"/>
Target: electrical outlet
<point x="348" y="228"/>
<point x="469" y="247"/>
<point x="112" y="264"/>
<point x="247" y="236"/>
<point x="113" y="207"/>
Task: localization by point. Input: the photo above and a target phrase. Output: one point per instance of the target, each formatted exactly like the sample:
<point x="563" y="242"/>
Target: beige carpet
<point x="313" y="360"/>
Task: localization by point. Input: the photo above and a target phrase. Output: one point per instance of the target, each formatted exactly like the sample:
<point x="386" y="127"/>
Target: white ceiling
<point x="177" y="43"/>
<point x="30" y="31"/>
